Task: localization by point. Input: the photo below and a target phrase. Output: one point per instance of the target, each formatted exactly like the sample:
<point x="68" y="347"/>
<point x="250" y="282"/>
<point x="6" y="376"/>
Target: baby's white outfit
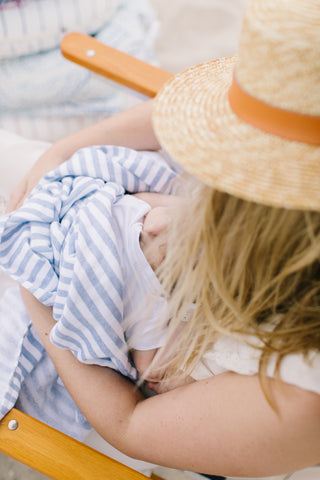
<point x="143" y="306"/>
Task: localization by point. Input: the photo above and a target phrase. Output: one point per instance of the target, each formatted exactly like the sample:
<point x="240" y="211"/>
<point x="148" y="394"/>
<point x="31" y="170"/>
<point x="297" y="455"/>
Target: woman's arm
<point x="222" y="425"/>
<point x="131" y="128"/>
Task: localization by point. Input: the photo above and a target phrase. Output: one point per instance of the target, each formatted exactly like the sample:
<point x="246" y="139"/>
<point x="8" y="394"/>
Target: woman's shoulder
<point x="242" y="356"/>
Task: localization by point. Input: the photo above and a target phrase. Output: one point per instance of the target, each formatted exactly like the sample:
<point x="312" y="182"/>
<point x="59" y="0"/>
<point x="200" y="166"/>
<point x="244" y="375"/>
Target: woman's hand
<point x="18" y="195"/>
<point x="131" y="128"/>
<point x="48" y="161"/>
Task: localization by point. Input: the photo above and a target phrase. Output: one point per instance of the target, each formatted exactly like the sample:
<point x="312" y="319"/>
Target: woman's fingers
<point x="17" y="196"/>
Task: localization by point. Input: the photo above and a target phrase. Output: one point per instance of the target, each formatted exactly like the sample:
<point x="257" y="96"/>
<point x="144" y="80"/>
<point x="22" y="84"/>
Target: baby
<point x="145" y="326"/>
<point x="85" y="246"/>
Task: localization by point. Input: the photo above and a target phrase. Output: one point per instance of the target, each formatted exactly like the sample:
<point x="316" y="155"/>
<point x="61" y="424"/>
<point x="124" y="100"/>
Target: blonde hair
<point x="248" y="269"/>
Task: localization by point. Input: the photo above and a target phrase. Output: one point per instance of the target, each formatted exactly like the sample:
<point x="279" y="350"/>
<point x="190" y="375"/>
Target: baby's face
<point x="153" y="236"/>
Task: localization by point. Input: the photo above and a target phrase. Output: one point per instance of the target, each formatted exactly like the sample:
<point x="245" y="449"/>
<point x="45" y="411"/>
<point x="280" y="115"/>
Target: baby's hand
<point x="143" y="359"/>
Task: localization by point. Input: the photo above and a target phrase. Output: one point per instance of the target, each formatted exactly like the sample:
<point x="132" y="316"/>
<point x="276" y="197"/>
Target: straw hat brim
<point x="194" y="123"/>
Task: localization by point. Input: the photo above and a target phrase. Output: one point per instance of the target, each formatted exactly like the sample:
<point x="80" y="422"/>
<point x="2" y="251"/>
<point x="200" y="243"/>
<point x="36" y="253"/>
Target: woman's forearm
<point x="222" y="425"/>
<point x="92" y="387"/>
<point x="131" y="128"/>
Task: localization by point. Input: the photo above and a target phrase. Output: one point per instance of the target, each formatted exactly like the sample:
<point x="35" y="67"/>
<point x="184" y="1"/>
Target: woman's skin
<point x="132" y="129"/>
<point x="222" y="425"/>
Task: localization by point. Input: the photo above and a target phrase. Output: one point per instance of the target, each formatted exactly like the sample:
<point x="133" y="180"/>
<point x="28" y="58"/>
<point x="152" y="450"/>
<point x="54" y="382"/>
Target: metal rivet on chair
<point x="90" y="53"/>
<point x="13" y="425"/>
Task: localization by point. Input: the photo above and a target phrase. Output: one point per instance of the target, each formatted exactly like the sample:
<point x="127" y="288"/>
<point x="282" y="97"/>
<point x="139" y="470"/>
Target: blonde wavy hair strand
<point x="247" y="269"/>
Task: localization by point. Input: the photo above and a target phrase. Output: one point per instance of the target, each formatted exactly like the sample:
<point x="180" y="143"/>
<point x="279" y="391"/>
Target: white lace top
<point x="230" y="354"/>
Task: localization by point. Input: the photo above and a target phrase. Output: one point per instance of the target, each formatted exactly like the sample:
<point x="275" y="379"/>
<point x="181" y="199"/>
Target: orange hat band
<point x="277" y="121"/>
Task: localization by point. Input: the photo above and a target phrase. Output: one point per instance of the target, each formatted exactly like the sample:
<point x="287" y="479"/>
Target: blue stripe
<point x="37" y="271"/>
<point x="11" y="247"/>
<point x="101" y="232"/>
<point x="96" y="161"/>
<point x="63" y="340"/>
<point x="45" y="200"/>
<point x="14" y="250"/>
<point x="41" y="217"/>
<point x="136" y="186"/>
<point x="36" y="344"/>
<point x="100" y="290"/>
<point x="11" y="399"/>
<point x="124" y="178"/>
<point x="77" y="346"/>
<point x="145" y="172"/>
<point x="28" y="258"/>
<point x="111" y="169"/>
<point x="9" y="231"/>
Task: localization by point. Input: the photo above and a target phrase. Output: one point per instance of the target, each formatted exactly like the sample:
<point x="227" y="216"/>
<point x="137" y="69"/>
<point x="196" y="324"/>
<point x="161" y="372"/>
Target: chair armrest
<point x="56" y="455"/>
<point x="113" y="64"/>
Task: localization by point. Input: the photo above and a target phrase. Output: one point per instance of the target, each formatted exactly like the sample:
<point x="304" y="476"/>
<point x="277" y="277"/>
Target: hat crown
<point x="256" y="146"/>
<point x="279" y="54"/>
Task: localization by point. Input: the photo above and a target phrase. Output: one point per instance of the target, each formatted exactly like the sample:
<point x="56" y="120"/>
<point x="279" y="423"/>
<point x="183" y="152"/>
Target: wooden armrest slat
<point x="113" y="64"/>
<point x="56" y="455"/>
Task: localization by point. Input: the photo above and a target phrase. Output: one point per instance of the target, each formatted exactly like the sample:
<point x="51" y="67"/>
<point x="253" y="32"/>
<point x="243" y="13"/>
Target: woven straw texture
<point x="278" y="62"/>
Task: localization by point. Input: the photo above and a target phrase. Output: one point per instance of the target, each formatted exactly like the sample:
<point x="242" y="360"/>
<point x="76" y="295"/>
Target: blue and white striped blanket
<point x="45" y="246"/>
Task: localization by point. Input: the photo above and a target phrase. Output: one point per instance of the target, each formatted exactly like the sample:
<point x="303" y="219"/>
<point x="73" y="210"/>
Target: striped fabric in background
<point x="32" y="26"/>
<point x="44" y="96"/>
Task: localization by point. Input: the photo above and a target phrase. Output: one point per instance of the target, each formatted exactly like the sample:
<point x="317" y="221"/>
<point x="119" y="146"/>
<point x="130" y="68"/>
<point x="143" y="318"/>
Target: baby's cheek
<point x="162" y="252"/>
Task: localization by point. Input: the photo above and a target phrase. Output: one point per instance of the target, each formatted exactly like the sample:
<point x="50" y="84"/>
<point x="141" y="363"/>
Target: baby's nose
<point x="157" y="221"/>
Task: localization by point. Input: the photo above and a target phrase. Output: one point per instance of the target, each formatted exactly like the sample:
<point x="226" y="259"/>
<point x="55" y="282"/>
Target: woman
<point x="248" y="261"/>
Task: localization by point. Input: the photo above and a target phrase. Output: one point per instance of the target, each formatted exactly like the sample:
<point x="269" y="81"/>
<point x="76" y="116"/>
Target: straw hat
<point x="250" y="125"/>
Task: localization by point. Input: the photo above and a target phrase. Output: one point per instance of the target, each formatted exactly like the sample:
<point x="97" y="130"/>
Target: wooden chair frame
<point x="22" y="437"/>
<point x="113" y="64"/>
